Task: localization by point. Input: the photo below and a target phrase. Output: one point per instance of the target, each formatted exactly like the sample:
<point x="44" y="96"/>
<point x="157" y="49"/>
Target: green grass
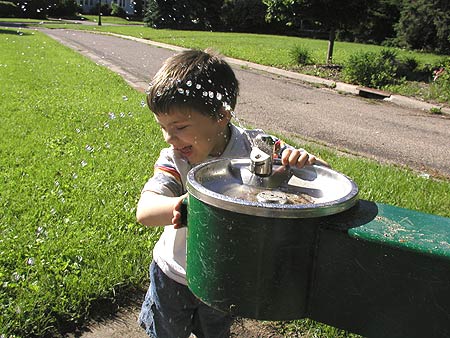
<point x="269" y="50"/>
<point x="76" y="150"/>
<point x="308" y="328"/>
<point x="77" y="147"/>
<point x="88" y="18"/>
<point x="391" y="184"/>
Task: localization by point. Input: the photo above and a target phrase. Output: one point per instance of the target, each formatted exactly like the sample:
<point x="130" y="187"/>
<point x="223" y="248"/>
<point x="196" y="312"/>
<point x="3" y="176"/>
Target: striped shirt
<point x="169" y="179"/>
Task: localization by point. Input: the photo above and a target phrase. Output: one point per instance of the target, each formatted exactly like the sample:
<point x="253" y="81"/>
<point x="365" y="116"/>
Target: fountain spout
<point x="261" y="155"/>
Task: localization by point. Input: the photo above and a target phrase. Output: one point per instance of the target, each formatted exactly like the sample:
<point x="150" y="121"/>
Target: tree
<point x="40" y="9"/>
<point x="425" y="25"/>
<point x="245" y="16"/>
<point x="8" y="9"/>
<point x="138" y="8"/>
<point x="62" y="8"/>
<point x="378" y="26"/>
<point x="184" y="14"/>
<point x="329" y="15"/>
<point x="33" y="9"/>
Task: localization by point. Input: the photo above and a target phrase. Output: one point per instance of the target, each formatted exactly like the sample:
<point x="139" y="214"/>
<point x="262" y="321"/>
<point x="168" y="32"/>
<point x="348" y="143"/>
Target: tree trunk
<point x="331" y="38"/>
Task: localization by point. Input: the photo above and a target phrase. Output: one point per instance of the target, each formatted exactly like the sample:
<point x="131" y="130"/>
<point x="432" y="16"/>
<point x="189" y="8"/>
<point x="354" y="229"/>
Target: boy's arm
<point x="155" y="210"/>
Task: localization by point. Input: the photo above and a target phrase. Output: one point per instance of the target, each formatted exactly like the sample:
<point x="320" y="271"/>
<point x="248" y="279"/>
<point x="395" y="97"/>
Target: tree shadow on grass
<point x="10" y="31"/>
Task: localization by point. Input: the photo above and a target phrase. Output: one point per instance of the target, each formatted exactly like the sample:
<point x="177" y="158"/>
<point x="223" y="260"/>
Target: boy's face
<point x="194" y="135"/>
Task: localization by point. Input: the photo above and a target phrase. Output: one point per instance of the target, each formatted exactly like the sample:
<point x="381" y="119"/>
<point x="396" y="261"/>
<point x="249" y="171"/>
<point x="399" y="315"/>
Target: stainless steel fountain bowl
<point x="311" y="191"/>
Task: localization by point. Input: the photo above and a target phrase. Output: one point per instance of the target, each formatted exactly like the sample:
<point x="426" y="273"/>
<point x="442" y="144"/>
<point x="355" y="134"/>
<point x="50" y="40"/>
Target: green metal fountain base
<point x="376" y="270"/>
<point x="388" y="277"/>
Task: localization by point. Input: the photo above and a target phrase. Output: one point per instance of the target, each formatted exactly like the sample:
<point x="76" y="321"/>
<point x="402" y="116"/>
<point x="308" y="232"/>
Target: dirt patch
<point x="123" y="324"/>
<point x="248" y="328"/>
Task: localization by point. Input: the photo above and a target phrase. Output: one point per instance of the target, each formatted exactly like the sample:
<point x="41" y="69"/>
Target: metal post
<point x="100" y="12"/>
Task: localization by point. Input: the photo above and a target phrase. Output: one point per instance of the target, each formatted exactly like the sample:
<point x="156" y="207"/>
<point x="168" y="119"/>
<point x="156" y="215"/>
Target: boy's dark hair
<point x="194" y="79"/>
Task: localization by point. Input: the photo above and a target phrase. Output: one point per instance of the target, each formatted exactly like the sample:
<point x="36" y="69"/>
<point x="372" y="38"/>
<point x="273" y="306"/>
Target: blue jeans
<point x="170" y="310"/>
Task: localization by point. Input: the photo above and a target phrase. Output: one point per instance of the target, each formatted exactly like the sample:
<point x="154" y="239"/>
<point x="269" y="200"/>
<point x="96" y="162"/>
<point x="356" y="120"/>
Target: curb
<point x="412" y="103"/>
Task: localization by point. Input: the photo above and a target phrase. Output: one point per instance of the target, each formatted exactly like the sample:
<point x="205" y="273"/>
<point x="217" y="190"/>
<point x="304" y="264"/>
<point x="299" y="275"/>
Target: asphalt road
<point x="375" y="129"/>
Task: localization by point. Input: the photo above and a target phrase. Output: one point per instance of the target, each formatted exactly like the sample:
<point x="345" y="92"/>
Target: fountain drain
<point x="269" y="196"/>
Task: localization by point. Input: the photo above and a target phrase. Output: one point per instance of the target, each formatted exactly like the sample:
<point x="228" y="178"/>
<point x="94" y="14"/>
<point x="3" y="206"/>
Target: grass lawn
<point x="77" y="146"/>
<point x="269" y="50"/>
<point x="88" y="18"/>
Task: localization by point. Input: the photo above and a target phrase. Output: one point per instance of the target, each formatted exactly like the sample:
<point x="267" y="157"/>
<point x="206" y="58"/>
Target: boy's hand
<point x="176" y="220"/>
<point x="299" y="158"/>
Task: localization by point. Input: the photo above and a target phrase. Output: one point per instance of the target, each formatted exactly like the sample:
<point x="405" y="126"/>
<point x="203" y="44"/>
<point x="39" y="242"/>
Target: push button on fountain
<point x="269" y="196"/>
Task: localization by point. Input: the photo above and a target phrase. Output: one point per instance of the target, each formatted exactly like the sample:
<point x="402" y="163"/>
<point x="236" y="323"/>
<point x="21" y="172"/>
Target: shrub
<point x="63" y="8"/>
<point x="301" y="55"/>
<point x="372" y="69"/>
<point x="8" y="9"/>
<point x="411" y="63"/>
<point x="408" y="68"/>
<point x="116" y="10"/>
<point x="441" y="81"/>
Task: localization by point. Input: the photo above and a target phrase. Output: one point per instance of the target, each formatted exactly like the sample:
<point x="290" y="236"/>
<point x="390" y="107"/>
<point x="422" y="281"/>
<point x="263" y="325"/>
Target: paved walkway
<point x="397" y="130"/>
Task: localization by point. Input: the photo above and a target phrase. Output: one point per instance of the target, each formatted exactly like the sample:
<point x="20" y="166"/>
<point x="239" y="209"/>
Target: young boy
<point x="192" y="96"/>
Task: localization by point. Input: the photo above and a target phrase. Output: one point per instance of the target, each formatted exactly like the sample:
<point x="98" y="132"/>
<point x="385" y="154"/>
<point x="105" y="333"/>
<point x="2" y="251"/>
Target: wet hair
<point x="194" y="80"/>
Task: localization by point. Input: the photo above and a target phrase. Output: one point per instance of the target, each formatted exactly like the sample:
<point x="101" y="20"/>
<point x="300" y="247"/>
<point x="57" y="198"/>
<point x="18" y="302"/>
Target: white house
<point x="87" y="5"/>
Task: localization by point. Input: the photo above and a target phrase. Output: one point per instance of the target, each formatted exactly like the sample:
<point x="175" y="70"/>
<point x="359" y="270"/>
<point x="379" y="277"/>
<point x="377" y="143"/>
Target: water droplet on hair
<point x="188" y="83"/>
